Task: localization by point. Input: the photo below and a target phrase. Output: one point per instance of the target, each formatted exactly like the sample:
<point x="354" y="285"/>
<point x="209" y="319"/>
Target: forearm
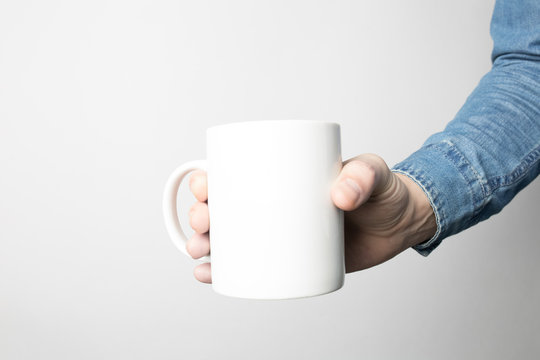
<point x="419" y="220"/>
<point x="491" y="150"/>
<point x="486" y="155"/>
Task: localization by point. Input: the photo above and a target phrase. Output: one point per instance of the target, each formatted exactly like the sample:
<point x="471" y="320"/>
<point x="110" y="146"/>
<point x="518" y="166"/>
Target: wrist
<point x="419" y="221"/>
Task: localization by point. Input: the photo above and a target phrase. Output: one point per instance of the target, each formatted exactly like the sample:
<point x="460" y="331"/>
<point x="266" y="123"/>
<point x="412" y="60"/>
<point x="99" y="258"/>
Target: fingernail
<point x="352" y="189"/>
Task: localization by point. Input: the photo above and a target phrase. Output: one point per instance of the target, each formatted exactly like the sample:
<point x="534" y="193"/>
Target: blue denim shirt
<point x="491" y="149"/>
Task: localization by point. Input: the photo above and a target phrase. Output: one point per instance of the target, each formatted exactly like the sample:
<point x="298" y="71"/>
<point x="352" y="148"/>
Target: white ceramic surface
<point x="274" y="231"/>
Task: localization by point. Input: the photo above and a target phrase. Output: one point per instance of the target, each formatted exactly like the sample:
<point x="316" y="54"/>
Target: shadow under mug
<point x="274" y="230"/>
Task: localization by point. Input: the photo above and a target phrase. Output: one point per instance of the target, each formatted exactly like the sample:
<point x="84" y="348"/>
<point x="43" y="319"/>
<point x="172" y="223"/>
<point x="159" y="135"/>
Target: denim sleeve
<point x="491" y="149"/>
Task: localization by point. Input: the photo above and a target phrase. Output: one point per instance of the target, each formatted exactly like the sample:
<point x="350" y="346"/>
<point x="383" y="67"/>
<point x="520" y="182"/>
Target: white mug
<point x="274" y="230"/>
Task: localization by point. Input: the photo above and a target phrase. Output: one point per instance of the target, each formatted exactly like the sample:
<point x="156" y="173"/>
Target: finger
<point x="361" y="177"/>
<point x="203" y="273"/>
<point x="198" y="185"/>
<point x="199" y="218"/>
<point x="198" y="246"/>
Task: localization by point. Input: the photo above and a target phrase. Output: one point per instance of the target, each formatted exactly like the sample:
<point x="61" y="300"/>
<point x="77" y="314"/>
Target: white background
<point x="101" y="100"/>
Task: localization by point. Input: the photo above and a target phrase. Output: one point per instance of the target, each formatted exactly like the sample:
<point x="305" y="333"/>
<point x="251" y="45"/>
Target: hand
<point x="385" y="214"/>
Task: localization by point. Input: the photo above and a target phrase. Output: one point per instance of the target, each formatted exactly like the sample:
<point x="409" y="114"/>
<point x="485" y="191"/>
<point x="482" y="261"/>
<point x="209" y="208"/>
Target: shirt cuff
<point x="451" y="184"/>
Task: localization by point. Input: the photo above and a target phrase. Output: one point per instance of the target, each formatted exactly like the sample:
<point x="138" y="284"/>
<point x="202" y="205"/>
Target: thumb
<point x="360" y="178"/>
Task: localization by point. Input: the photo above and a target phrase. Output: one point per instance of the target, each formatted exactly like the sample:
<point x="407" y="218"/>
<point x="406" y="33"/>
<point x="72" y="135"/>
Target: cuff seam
<point x="446" y="160"/>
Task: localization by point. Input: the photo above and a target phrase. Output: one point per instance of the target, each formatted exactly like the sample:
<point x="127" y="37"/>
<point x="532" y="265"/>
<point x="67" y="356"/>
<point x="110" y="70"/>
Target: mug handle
<point x="170" y="212"/>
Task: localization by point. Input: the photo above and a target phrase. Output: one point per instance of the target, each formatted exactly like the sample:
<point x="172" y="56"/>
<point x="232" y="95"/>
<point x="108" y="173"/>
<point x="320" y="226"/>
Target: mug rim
<point x="276" y="121"/>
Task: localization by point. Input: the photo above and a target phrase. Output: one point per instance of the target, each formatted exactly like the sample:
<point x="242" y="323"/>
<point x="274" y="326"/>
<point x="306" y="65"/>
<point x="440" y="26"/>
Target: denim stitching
<point x="524" y="167"/>
<point x="519" y="172"/>
<point x="478" y="203"/>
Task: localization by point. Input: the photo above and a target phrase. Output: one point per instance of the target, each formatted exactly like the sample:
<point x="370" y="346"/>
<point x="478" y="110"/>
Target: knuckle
<point x="192" y="180"/>
<point x="192" y="210"/>
<point x="360" y="167"/>
<point x="377" y="161"/>
<point x="369" y="165"/>
<point x="198" y="216"/>
<point x="189" y="248"/>
<point x="196" y="179"/>
<point x="193" y="222"/>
